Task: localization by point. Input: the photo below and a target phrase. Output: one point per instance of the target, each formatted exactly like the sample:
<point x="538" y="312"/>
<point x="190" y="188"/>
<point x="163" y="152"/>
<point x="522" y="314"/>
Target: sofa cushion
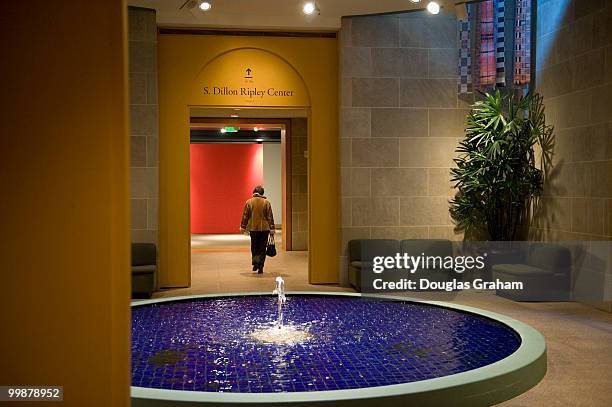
<point x="144" y="254"/>
<point x="549" y="256"/>
<point x="143" y="269"/>
<point x="520" y="270"/>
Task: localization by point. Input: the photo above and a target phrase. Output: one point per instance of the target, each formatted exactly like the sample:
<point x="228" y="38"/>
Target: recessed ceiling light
<point x="205" y="6"/>
<point x="433" y="7"/>
<point x="255" y="128"/>
<point x="309" y="7"/>
<point x="415" y="1"/>
<point x="223" y="130"/>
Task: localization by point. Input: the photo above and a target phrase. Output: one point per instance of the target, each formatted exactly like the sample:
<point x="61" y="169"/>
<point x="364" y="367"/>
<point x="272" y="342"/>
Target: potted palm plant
<point x="497" y="174"/>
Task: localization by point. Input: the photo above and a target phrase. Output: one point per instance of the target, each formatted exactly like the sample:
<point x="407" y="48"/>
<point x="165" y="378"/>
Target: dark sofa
<point x="144" y="269"/>
<point x="358" y="259"/>
<point x="545" y="273"/>
<point x="361" y="252"/>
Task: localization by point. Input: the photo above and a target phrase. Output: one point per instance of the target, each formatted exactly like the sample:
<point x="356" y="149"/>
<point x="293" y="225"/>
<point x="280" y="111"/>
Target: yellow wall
<point x="249" y="77"/>
<point x="182" y="61"/>
<point x="64" y="252"/>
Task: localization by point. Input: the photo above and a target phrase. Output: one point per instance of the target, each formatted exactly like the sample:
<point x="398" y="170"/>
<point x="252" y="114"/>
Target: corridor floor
<point x="222" y="263"/>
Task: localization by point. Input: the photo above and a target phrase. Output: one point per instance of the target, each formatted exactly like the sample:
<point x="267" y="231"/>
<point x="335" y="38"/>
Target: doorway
<point x="228" y="157"/>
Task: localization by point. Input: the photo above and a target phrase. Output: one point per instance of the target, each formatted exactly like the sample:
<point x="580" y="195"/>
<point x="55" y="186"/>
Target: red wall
<point x="222" y="179"/>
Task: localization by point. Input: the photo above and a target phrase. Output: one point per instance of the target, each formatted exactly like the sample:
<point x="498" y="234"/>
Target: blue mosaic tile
<point x="205" y="344"/>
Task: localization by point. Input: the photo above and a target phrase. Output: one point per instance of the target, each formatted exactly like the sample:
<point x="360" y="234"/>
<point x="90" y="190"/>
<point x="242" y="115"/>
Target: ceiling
<point x="272" y="14"/>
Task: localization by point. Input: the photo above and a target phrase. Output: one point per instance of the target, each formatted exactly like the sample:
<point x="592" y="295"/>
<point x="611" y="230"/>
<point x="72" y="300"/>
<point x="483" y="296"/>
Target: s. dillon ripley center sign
<point x="266" y="81"/>
<point x="251" y="93"/>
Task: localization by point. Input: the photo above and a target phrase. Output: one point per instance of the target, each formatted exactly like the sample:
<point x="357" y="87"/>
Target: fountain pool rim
<point x="494" y="383"/>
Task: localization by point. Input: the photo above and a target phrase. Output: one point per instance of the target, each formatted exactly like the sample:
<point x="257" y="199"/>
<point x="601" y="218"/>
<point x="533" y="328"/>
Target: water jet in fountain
<point x="280" y="334"/>
<point x="280" y="291"/>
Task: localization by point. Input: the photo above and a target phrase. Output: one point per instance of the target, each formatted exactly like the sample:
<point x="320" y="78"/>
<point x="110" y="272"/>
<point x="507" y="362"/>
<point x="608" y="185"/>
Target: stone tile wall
<point x="144" y="168"/>
<point x="401" y="122"/>
<point x="574" y="74"/>
<point x="299" y="186"/>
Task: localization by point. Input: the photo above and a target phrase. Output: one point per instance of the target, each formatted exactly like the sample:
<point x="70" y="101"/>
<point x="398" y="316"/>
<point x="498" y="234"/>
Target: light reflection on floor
<point x="203" y="242"/>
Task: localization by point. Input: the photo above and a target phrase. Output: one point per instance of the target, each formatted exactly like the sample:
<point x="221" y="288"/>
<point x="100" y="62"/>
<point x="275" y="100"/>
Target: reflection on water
<point x="281" y="335"/>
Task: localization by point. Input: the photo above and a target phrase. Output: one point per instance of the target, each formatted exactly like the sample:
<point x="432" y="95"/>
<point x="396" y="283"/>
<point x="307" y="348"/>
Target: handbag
<point x="271" y="247"/>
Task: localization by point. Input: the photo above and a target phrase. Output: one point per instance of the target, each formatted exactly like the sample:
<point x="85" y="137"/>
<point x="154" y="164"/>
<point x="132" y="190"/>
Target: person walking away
<point x="258" y="221"/>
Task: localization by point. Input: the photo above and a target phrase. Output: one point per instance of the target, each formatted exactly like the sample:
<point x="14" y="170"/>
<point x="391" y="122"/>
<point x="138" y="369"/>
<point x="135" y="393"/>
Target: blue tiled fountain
<point x="332" y="343"/>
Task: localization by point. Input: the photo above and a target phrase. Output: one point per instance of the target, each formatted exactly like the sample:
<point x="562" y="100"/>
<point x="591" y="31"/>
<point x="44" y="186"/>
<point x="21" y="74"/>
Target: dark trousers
<point x="259" y="243"/>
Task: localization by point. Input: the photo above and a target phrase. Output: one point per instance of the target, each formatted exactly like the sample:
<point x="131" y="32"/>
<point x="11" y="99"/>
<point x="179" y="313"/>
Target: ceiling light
<point x="309" y="7"/>
<point x="223" y="131"/>
<point x="205" y="6"/>
<point x="255" y="128"/>
<point x="433" y="7"/>
<point x="233" y="115"/>
<point x="415" y="1"/>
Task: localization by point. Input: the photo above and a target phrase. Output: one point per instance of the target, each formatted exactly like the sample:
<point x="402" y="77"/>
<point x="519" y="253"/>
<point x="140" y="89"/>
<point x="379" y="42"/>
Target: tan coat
<point x="257" y="215"/>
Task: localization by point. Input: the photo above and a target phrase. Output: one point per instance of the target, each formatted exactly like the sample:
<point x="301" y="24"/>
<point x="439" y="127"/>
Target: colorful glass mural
<point x="522" y="43"/>
<point x="495" y="45"/>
